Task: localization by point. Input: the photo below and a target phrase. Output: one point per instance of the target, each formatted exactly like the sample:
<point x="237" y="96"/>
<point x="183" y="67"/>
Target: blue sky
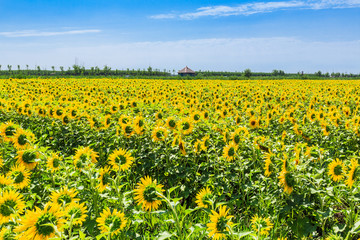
<point x="299" y="35"/>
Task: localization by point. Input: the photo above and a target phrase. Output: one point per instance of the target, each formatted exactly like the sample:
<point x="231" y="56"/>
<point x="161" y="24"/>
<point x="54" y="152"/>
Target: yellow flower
<point x="254" y="123"/>
<point x="19" y="176"/>
<point x="40" y="224"/>
<point x="220" y="223"/>
<point x="261" y="225"/>
<point x="203" y="197"/>
<point x="139" y="124"/>
<point x="104" y="178"/>
<point x="159" y="134"/>
<point x="27" y="158"/>
<point x="11" y="206"/>
<point x="111" y="222"/>
<point x="64" y="196"/>
<point x="8" y="131"/>
<point x="76" y="212"/>
<point x="268" y="164"/>
<point x="147" y="194"/>
<point x="23" y="139"/>
<point x="287" y="181"/>
<point x="229" y="151"/>
<point x="53" y="162"/>
<point x="171" y="123"/>
<point x="84" y="157"/>
<point x="186" y="126"/>
<point x="7" y="234"/>
<point x="353" y="172"/>
<point x="336" y="170"/>
<point x="120" y="160"/>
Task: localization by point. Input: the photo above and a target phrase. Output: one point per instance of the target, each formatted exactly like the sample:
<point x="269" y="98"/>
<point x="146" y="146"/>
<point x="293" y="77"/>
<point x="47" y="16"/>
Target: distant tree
<point x="18" y="66"/>
<point x="327" y="75"/>
<point x="149" y="70"/>
<point x="53" y="68"/>
<point x="9" y="67"/>
<point x="62" y="70"/>
<point x="281" y="73"/>
<point x="106" y="69"/>
<point x="247" y="73"/>
<point x="275" y="72"/>
<point x="0" y="67"/>
<point x="318" y="73"/>
<point x="27" y="67"/>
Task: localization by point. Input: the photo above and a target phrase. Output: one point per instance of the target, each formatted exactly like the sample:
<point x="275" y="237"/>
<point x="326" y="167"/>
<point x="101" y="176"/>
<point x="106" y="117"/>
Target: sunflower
<point x="23" y="138"/>
<point x="254" y="123"/>
<point x="65" y="119"/>
<point x="196" y="116"/>
<point x="84" y="156"/>
<point x="268" y="164"/>
<point x="7" y="234"/>
<point x="19" y="176"/>
<point x="220" y="223"/>
<point x="124" y="120"/>
<point x="159" y="115"/>
<point x="4" y="181"/>
<point x="121" y="160"/>
<point x="8" y="130"/>
<point x="139" y="124"/>
<point x="203" y="198"/>
<point x="236" y="137"/>
<point x="111" y="223"/>
<point x="53" y="162"/>
<point x="261" y="225"/>
<point x="159" y="134"/>
<point x="107" y="122"/>
<point x="64" y="196"/>
<point x="76" y="212"/>
<point x="229" y="151"/>
<point x="182" y="147"/>
<point x="11" y="205"/>
<point x="171" y="123"/>
<point x="147" y="193"/>
<point x="353" y="172"/>
<point x="41" y="224"/>
<point x="186" y="126"/>
<point x="206" y="141"/>
<point x="27" y="158"/>
<point x="128" y="130"/>
<point x="336" y="170"/>
<point x="104" y="178"/>
<point x="199" y="146"/>
<point x="287" y="180"/>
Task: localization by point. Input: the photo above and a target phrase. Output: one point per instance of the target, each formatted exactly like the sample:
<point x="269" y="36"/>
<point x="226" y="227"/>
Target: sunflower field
<point x="172" y="159"/>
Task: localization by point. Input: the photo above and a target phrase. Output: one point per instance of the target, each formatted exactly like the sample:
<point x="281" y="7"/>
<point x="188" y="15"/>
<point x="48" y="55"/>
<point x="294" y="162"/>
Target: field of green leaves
<point x="168" y="159"/>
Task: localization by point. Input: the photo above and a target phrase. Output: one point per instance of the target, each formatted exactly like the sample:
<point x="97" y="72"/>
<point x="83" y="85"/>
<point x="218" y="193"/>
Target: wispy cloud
<point x="259" y="7"/>
<point x="35" y="33"/>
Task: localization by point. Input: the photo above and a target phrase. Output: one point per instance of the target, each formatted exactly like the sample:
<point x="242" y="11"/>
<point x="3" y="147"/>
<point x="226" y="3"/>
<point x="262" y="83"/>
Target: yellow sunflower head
<point x="287" y="180"/>
<point x="19" y="176"/>
<point x="64" y="196"/>
<point x="229" y="151"/>
<point x="147" y="193"/>
<point x="28" y="158"/>
<point x="40" y="224"/>
<point x="8" y="130"/>
<point x="220" y="223"/>
<point x="261" y="225"/>
<point x="203" y="198"/>
<point x="76" y="212"/>
<point x="121" y="160"/>
<point x="353" y="173"/>
<point x="54" y="162"/>
<point x="336" y="170"/>
<point x="85" y="157"/>
<point x="159" y="134"/>
<point x="23" y="139"/>
<point x="11" y="206"/>
<point x="111" y="222"/>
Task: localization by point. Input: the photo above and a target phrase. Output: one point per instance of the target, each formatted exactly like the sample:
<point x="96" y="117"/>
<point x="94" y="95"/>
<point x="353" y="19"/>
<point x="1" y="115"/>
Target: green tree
<point x="247" y="73"/>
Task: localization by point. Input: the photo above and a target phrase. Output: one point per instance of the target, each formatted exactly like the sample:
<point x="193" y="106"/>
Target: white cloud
<point x="260" y="7"/>
<point x="35" y="33"/>
<point x="225" y="54"/>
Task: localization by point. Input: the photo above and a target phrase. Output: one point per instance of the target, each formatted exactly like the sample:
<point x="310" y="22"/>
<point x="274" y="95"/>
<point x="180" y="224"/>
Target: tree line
<point x="76" y="70"/>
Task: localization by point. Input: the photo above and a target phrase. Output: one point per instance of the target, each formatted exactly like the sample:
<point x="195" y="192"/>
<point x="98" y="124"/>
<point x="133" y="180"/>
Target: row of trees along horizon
<point x="77" y="70"/>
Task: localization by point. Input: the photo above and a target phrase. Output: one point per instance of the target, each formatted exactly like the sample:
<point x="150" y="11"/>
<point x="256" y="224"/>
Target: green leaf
<point x="356" y="227"/>
<point x="164" y="235"/>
